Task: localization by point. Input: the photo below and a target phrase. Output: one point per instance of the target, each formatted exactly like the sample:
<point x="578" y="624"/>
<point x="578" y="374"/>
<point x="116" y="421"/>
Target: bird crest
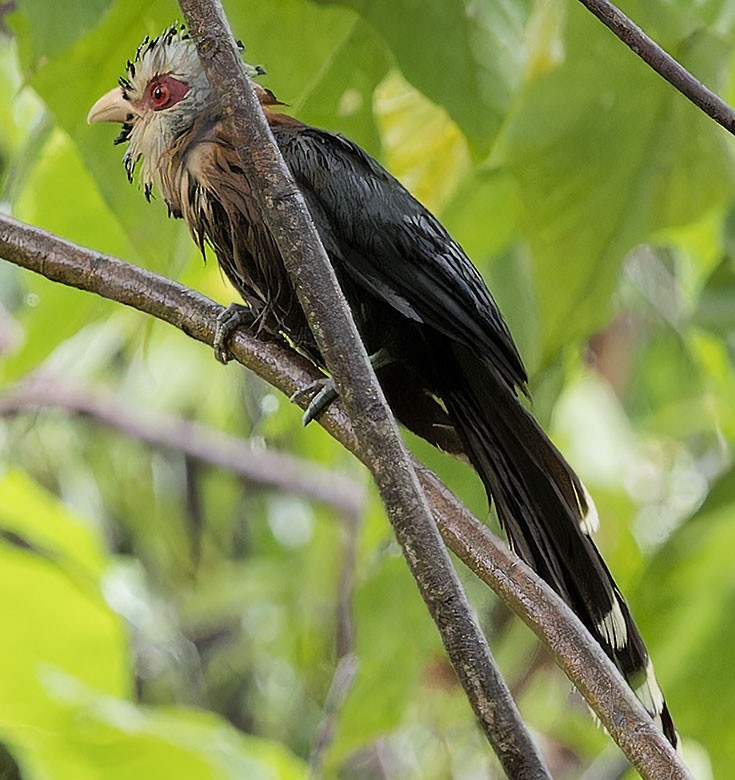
<point x="158" y="101"/>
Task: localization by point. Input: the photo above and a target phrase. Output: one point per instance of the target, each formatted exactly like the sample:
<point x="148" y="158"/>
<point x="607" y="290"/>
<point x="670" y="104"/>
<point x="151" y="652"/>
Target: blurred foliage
<point x="162" y="618"/>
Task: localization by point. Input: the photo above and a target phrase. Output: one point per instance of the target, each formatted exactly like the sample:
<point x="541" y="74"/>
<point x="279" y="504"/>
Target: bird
<point x="442" y="350"/>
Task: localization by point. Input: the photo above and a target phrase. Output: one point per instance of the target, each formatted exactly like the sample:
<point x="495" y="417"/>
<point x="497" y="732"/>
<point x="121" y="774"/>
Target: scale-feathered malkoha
<point x="448" y="364"/>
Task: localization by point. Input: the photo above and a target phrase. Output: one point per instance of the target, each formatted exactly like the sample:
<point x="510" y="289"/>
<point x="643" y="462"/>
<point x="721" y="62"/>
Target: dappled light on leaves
<point x="186" y="616"/>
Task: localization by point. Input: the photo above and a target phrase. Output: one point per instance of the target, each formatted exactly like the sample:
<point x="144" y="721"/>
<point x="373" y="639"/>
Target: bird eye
<point x="159" y="95"/>
<point x="164" y="92"/>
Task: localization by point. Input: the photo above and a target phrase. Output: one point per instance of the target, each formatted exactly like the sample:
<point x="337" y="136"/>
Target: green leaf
<point x="64" y="667"/>
<point x="485" y="215"/>
<point x="107" y="737"/>
<point x="422" y="146"/>
<point x="600" y="166"/>
<point x="48" y="29"/>
<point x="395" y="639"/>
<point x="466" y="56"/>
<point x="688" y="621"/>
<point x="95" y="67"/>
<point x="50" y="593"/>
<point x="52" y="312"/>
<point x="36" y="516"/>
<point x="341" y="96"/>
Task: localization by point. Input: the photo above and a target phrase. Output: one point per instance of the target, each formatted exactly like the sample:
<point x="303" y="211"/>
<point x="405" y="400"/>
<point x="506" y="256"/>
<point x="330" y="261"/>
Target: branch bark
<point x="330" y="320"/>
<point x="662" y="62"/>
<point x="528" y="596"/>
<point x="275" y="470"/>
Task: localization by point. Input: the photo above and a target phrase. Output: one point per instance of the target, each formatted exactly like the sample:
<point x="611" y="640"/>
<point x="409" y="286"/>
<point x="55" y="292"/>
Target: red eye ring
<point x="163" y="92"/>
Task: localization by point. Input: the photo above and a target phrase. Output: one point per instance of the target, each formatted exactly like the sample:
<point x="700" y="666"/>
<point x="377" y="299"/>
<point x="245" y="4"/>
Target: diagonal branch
<point x="267" y="468"/>
<point x="662" y="62"/>
<point x="516" y="584"/>
<point x="385" y="454"/>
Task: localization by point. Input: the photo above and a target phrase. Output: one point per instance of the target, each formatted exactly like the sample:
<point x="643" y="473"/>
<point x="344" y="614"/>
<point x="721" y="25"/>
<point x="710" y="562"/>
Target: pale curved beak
<point x="112" y="107"/>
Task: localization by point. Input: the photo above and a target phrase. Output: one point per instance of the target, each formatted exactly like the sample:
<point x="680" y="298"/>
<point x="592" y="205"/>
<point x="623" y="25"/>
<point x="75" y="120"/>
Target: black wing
<point x="388" y="242"/>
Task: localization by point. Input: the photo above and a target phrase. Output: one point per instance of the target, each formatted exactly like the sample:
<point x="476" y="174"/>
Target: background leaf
<point x="162" y="617"/>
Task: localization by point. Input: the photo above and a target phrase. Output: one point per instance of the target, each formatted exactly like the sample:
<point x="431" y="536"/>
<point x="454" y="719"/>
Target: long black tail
<point x="548" y="517"/>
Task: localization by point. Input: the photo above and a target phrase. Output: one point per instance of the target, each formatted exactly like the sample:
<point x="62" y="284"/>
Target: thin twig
<point x="6" y="8"/>
<point x="345" y="638"/>
<point x="275" y="470"/>
<point x="195" y="515"/>
<point x="609" y="765"/>
<point x="662" y="62"/>
<point x="11" y="334"/>
<point x="523" y="591"/>
<point x="330" y="320"/>
<point x="342" y="680"/>
<point x="347" y="661"/>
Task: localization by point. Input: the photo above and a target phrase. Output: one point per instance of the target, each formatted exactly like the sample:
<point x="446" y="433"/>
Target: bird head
<point x="158" y="101"/>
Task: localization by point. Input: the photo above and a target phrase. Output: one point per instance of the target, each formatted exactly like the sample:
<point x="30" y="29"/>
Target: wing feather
<point x="390" y="244"/>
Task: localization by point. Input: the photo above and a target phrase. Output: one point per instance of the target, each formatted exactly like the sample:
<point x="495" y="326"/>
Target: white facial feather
<point x="152" y="135"/>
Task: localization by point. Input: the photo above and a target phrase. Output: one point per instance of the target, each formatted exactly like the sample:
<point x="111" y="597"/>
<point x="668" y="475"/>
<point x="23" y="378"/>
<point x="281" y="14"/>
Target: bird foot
<point x="323" y="392"/>
<point x="228" y="321"/>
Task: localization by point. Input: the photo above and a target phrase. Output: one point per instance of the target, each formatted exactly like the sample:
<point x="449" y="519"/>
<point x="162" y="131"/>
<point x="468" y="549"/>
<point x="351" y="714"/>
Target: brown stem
<point x="276" y="470"/>
<point x="385" y="454"/>
<point x="664" y="64"/>
<point x="347" y="661"/>
<point x="523" y="591"/>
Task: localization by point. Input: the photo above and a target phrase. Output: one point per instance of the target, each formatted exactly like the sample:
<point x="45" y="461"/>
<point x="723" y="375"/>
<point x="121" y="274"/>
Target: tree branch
<point x="284" y="211"/>
<point x="275" y="470"/>
<point x="526" y="594"/>
<point x="6" y="8"/>
<point x="664" y="64"/>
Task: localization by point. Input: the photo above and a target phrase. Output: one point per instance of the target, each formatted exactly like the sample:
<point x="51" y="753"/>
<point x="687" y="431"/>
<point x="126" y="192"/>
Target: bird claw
<point x="323" y="392"/>
<point x="228" y="321"/>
